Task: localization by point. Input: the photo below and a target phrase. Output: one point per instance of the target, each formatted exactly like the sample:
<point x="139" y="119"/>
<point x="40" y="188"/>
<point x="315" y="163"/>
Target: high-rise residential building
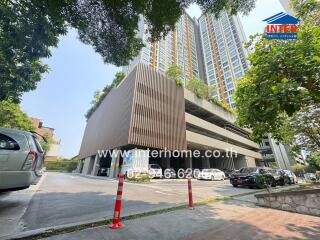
<point x="286" y="5"/>
<point x="178" y="47"/>
<point x="224" y="55"/>
<point x="207" y="48"/>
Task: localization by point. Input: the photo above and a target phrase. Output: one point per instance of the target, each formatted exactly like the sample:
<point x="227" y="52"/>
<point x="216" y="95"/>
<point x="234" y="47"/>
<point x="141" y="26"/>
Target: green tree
<point x="11" y="116"/>
<point x="283" y="79"/>
<point x="200" y="88"/>
<point x="99" y="96"/>
<point x="298" y="169"/>
<point x="232" y="6"/>
<point x="314" y="161"/>
<point x="46" y="144"/>
<point x="29" y="28"/>
<point x="175" y="73"/>
<point x="304" y="126"/>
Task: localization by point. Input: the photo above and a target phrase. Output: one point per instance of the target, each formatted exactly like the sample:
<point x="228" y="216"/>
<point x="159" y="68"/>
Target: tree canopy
<point x="11" y="116"/>
<point x="99" y="96"/>
<point x="284" y="79"/>
<point x="28" y="29"/>
<point x="314" y="161"/>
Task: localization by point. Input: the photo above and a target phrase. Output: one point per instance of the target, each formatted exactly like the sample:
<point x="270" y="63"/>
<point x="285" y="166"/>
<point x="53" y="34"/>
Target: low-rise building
<point x="149" y="111"/>
<point x="53" y="152"/>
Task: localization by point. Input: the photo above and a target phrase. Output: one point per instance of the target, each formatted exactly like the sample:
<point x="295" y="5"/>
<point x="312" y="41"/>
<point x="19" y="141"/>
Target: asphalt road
<point x="67" y="198"/>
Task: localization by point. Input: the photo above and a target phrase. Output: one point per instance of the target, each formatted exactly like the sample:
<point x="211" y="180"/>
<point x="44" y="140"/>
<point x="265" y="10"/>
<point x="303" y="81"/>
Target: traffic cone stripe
<point x="117" y="207"/>
<point x="118" y="197"/>
<point x="191" y="206"/>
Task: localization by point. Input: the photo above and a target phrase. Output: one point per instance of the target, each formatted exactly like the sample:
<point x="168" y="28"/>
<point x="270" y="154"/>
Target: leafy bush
<point x="221" y="104"/>
<point x="298" y="169"/>
<point x="264" y="180"/>
<point x="201" y="89"/>
<point x="139" y="178"/>
<point x="61" y="165"/>
<point x="175" y="73"/>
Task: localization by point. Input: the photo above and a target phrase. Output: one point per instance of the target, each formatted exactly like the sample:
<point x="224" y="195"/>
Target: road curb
<point x="68" y="228"/>
<point x="72" y="227"/>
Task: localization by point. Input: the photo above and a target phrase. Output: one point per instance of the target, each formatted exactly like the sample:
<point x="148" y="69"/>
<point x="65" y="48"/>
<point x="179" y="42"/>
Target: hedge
<point x="61" y="165"/>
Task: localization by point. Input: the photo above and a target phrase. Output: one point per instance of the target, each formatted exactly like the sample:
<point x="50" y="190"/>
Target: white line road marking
<point x="163" y="193"/>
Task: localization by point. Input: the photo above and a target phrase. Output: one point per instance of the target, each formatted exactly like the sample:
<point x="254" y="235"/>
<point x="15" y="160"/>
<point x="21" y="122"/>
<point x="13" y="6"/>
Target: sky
<point x="76" y="72"/>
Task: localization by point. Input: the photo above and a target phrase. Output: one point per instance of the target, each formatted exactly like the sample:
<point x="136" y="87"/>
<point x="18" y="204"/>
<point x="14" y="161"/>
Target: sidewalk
<point x="229" y="220"/>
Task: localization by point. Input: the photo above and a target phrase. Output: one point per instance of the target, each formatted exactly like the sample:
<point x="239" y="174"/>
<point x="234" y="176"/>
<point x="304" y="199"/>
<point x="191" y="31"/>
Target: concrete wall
<point x="195" y="138"/>
<point x="305" y="201"/>
<point x="219" y="131"/>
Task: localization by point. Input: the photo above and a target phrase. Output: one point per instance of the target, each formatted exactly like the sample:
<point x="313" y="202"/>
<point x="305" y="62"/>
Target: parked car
<point x="247" y="177"/>
<point x="281" y="177"/>
<point x="211" y="174"/>
<point x="170" y="173"/>
<point x="103" y="171"/>
<point x="21" y="159"/>
<point x="228" y="172"/>
<point x="155" y="171"/>
<point x="310" y="176"/>
<point x="185" y="173"/>
<point x="293" y="178"/>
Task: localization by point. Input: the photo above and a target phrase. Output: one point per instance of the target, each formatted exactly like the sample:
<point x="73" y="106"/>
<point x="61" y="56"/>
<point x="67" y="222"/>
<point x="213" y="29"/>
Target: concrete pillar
<point x="115" y="161"/>
<point x="165" y="162"/>
<point x="240" y="162"/>
<point x="96" y="166"/>
<point x="86" y="165"/>
<point x="205" y="162"/>
<point x="244" y="161"/>
<point x="250" y="161"/>
<point x="187" y="162"/>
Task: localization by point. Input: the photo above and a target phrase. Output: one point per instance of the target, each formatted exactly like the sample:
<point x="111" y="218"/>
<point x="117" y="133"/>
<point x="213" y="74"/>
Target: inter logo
<point x="281" y="26"/>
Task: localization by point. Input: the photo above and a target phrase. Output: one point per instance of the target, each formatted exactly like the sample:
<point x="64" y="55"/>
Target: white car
<point x="155" y="171"/>
<point x="211" y="174"/>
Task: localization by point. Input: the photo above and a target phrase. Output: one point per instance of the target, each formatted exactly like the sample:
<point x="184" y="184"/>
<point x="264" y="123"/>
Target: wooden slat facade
<point x="158" y="112"/>
<point x="146" y="109"/>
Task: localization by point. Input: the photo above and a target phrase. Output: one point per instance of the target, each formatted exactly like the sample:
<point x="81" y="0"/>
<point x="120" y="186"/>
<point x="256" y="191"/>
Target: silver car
<point x="21" y="159"/>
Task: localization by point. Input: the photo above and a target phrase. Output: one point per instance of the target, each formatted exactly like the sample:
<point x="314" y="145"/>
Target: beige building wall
<point x="108" y="127"/>
<point x="146" y="109"/>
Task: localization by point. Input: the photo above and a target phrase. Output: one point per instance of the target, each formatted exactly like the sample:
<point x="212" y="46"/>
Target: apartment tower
<point x="178" y="47"/>
<point x="207" y="48"/>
